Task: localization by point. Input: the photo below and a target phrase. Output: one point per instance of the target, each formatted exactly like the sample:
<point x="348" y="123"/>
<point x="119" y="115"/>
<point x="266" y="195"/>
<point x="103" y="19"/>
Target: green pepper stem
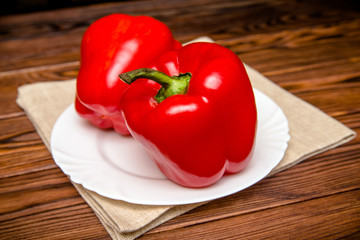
<point x="170" y="85"/>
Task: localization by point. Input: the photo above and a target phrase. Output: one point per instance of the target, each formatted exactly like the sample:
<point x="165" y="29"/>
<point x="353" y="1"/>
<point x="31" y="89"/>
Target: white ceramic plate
<point x="119" y="168"/>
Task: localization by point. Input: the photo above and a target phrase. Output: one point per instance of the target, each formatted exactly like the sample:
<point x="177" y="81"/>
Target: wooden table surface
<point x="310" y="48"/>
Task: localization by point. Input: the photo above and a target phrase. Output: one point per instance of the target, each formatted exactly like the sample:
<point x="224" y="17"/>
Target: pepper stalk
<point x="170" y="85"/>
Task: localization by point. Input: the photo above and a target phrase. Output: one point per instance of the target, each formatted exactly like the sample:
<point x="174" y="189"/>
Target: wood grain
<point x="310" y="48"/>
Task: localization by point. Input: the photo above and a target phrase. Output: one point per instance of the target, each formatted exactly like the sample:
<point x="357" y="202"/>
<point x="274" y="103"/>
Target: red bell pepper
<point x="112" y="45"/>
<point x="199" y="125"/>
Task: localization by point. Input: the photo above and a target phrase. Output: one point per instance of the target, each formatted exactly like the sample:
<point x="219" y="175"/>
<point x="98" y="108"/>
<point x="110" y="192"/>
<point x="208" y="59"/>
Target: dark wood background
<point x="310" y="48"/>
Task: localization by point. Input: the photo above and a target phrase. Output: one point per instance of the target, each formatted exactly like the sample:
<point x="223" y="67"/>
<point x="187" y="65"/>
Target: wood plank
<point x="58" y="33"/>
<point x="11" y="80"/>
<point x="275" y="15"/>
<point x="58" y="219"/>
<point x="334" y="216"/>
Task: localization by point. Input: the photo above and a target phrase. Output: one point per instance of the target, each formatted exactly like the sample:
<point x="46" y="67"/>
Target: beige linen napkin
<point x="311" y="131"/>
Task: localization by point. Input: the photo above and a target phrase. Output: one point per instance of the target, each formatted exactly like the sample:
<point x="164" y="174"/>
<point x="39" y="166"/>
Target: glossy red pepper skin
<point x="197" y="137"/>
<point x="111" y="45"/>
